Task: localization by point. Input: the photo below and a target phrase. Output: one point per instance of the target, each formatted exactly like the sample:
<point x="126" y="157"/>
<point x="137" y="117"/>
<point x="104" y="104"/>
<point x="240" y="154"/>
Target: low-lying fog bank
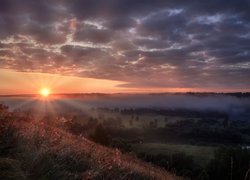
<point x="213" y="102"/>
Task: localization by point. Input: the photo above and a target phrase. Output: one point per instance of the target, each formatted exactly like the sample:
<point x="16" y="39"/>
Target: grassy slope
<point x="38" y="151"/>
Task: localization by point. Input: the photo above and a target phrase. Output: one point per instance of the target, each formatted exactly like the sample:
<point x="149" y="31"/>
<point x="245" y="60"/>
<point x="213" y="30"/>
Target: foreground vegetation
<point x="69" y="145"/>
<point x="36" y="150"/>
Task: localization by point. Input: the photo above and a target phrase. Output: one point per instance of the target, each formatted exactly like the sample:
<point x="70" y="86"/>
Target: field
<point x="201" y="154"/>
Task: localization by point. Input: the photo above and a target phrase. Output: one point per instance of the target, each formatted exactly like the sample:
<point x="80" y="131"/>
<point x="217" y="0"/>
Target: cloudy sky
<point x="134" y="45"/>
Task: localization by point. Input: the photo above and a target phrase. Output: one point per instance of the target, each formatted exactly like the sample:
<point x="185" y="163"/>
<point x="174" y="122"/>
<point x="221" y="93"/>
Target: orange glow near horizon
<point x="13" y="82"/>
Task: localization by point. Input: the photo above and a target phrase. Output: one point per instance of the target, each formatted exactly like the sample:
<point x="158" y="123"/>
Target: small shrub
<point x="100" y="135"/>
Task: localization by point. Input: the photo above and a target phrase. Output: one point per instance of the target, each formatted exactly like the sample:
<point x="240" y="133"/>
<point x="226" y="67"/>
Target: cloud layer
<point x="145" y="43"/>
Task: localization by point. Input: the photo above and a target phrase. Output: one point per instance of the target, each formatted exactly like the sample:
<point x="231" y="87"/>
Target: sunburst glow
<point x="45" y="92"/>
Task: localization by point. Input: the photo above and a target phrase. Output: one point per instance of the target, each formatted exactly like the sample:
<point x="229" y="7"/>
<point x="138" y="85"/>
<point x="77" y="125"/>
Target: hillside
<point x="34" y="150"/>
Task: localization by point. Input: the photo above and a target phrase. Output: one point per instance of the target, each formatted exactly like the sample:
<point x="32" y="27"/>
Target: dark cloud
<point x="165" y="26"/>
<point x="147" y="43"/>
<point x="120" y="23"/>
<point x="92" y="34"/>
<point x="152" y="43"/>
<point x="77" y="52"/>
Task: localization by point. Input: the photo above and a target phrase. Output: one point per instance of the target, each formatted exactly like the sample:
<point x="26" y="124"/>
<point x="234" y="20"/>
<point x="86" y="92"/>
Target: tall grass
<point x="34" y="150"/>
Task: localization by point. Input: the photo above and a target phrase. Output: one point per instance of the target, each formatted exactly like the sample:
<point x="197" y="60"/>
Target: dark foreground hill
<point x="33" y="150"/>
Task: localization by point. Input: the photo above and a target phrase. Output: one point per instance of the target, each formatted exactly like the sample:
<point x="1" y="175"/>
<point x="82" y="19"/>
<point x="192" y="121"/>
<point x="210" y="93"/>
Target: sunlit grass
<point x="47" y="152"/>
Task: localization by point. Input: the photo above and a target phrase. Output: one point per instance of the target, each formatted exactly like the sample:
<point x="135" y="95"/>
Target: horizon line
<point x="123" y="93"/>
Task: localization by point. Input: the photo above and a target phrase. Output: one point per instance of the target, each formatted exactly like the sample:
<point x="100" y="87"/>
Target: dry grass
<point x="48" y="152"/>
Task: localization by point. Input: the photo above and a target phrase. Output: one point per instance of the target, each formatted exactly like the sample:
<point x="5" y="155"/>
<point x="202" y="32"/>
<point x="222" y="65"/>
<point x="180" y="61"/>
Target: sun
<point x="45" y="92"/>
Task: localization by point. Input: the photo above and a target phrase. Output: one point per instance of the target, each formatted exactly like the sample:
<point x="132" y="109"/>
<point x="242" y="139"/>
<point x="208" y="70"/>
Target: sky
<point x="111" y="46"/>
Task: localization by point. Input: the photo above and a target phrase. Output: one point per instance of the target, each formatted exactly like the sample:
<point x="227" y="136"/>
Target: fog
<point x="165" y="101"/>
<point x="212" y="102"/>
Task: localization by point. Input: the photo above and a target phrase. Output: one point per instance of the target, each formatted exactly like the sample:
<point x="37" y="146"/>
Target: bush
<point x="100" y="136"/>
<point x="121" y="144"/>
